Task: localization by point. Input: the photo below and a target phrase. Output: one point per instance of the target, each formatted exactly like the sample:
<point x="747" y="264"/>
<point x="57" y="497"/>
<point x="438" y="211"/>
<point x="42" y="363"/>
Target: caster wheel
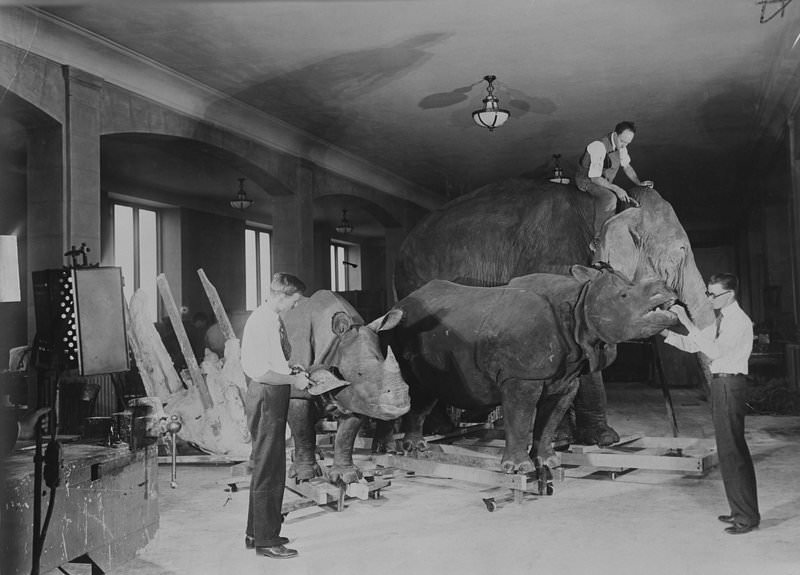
<point x="234" y="487"/>
<point x="549" y="489"/>
<point x="490" y="503"/>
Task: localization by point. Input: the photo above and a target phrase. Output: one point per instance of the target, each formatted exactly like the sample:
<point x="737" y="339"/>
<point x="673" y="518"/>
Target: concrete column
<point x="45" y="220"/>
<point x="82" y="160"/>
<point x="293" y="230"/>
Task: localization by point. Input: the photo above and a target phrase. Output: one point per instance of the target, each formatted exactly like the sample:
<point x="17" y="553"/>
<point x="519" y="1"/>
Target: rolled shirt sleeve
<point x="261" y="345"/>
<point x="597" y="156"/>
<point x="624" y="158"/>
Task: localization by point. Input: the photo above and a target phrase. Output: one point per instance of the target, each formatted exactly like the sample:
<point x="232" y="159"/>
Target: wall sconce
<point x="9" y="270"/>
<point x="344" y="227"/>
<point x="241" y="201"/>
<point x="491" y="116"/>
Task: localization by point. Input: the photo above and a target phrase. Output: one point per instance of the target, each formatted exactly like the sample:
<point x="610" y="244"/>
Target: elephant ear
<point x="583" y="273"/>
<point x="341" y="322"/>
<point x="387" y="321"/>
<point x="622" y="242"/>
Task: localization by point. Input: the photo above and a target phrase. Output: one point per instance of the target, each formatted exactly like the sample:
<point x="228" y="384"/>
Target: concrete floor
<point x="641" y="523"/>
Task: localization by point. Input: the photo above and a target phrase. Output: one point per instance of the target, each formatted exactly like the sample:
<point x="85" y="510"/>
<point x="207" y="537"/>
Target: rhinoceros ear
<point x="583" y="273"/>
<point x="387" y="321"/>
<point x="341" y="322"/>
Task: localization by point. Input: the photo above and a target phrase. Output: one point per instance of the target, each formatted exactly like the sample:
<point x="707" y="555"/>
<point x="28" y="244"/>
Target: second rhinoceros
<point x="522" y="346"/>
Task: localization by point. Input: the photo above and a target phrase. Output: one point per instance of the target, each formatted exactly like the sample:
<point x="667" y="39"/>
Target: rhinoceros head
<point x="614" y="309"/>
<point x="377" y="389"/>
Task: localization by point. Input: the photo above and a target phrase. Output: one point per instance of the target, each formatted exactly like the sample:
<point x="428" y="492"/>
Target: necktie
<point x="719" y="321"/>
<point x="286" y="346"/>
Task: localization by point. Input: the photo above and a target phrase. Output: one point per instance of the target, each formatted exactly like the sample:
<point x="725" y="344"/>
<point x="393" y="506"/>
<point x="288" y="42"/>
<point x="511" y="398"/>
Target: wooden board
<point x="200" y="459"/>
<point x="461" y="472"/>
<point x="682" y="454"/>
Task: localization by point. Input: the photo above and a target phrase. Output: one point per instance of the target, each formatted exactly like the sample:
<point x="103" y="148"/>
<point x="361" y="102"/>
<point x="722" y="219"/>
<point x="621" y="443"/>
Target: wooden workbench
<point x="106" y="508"/>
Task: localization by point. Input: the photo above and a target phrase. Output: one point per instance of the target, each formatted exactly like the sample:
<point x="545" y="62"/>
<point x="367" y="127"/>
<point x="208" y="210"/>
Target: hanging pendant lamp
<point x="491" y="116"/>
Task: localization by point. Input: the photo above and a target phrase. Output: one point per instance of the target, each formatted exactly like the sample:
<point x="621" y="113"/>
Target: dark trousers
<point x="267" y="407"/>
<point x="605" y="203"/>
<point x="738" y="474"/>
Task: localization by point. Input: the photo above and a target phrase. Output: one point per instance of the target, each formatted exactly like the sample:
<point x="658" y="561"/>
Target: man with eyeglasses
<point x="727" y="343"/>
<point x="597" y="168"/>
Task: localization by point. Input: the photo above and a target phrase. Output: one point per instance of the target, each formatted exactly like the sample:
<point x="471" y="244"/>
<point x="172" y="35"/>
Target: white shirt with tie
<point x="728" y="346"/>
<point x="261" y="345"/>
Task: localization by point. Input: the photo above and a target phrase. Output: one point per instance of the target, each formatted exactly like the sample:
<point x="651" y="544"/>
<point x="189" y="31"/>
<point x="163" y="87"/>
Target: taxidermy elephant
<point x="522" y="346"/>
<point x="520" y="226"/>
<point x="326" y="331"/>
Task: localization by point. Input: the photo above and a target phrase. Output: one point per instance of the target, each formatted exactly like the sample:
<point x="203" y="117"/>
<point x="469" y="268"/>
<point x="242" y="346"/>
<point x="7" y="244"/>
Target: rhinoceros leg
<point x="519" y="399"/>
<point x="384" y="441"/>
<point x="590" y="413"/>
<point x="343" y="469"/>
<point x="303" y="415"/>
<point x="549" y="414"/>
<point x="413" y="421"/>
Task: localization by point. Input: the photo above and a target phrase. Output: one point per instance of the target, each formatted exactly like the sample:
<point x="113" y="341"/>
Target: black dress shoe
<point x="250" y="542"/>
<point x="740" y="529"/>
<point x="277" y="552"/>
<point x="726" y="518"/>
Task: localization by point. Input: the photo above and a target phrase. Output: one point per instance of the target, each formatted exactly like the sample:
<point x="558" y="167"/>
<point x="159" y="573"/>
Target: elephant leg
<point x="384" y="441"/>
<point x="590" y="412"/>
<point x="343" y="469"/>
<point x="519" y="399"/>
<point x="549" y="414"/>
<point x="413" y="421"/>
<point x="303" y="415"/>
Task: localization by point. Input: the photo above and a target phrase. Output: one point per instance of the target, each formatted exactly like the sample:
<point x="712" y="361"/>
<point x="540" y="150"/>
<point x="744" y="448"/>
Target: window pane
<point x="341" y="271"/>
<point x="333" y="267"/>
<point x="148" y="259"/>
<point x="250" y="270"/>
<point x="123" y="247"/>
<point x="265" y="261"/>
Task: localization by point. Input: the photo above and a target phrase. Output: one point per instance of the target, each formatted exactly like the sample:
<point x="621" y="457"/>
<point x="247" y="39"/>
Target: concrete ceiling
<point x="395" y="81"/>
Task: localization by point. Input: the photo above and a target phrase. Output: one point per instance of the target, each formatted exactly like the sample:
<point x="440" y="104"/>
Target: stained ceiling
<point x="395" y="81"/>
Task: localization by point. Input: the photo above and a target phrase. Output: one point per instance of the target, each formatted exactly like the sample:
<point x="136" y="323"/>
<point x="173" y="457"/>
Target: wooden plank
<point x="183" y="341"/>
<point x="216" y="305"/>
<point x="194" y="459"/>
<point x="460" y="472"/>
<point x="689" y="464"/>
<point x="153" y="360"/>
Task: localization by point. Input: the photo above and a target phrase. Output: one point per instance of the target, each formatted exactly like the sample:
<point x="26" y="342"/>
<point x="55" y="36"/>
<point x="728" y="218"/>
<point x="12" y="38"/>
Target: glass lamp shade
<point x="491" y="116"/>
<point x="344" y="227"/>
<point x="559" y="177"/>
<point x="241" y="202"/>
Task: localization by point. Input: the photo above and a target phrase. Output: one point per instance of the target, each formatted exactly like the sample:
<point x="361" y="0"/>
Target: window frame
<point x="261" y="283"/>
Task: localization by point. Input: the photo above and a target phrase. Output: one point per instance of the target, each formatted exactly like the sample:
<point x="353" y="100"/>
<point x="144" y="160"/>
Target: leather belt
<point x="716" y="375"/>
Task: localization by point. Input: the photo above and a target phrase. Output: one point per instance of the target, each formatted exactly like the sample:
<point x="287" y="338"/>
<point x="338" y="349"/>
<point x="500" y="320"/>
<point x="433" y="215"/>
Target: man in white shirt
<point x="597" y="168"/>
<point x="265" y="350"/>
<point x="727" y="344"/>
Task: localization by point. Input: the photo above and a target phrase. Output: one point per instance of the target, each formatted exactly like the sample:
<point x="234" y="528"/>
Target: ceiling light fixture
<point x="241" y="201"/>
<point x="491" y="116"/>
<point x="344" y="227"/>
<point x="558" y="176"/>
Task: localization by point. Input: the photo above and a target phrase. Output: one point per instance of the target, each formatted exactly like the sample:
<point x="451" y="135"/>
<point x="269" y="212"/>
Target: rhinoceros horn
<point x="391" y="365"/>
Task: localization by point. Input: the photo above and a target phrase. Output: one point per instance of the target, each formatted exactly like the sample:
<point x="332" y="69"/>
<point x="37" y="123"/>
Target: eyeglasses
<point x="716" y="295"/>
